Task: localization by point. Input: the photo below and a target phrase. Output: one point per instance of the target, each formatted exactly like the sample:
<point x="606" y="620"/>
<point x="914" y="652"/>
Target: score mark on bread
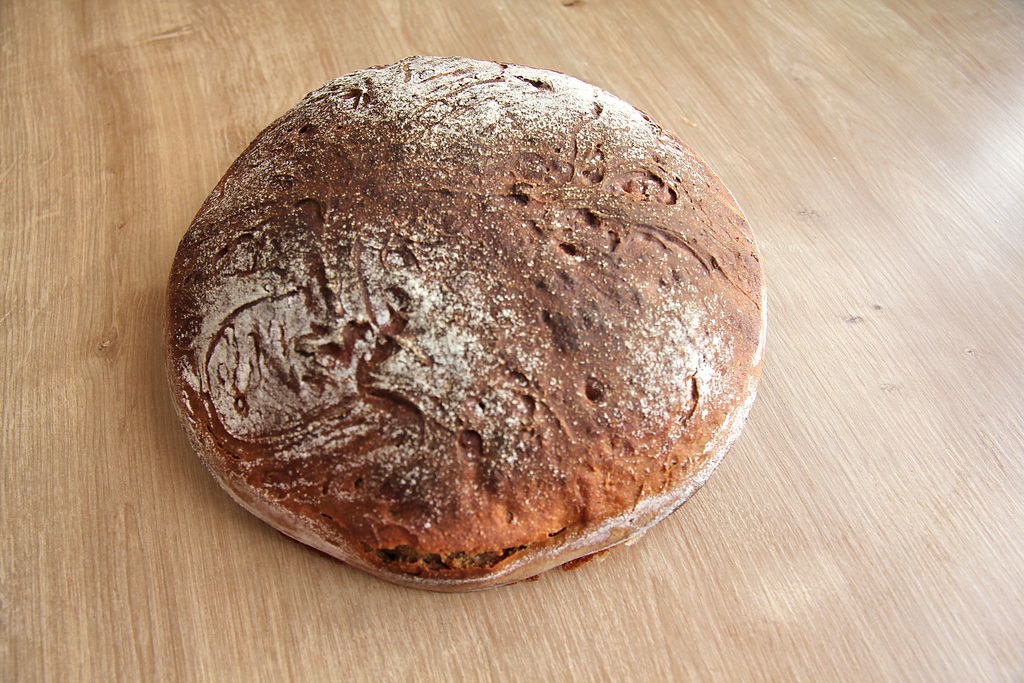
<point x="457" y="322"/>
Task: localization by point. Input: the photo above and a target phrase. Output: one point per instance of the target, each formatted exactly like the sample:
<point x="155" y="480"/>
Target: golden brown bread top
<point x="444" y="310"/>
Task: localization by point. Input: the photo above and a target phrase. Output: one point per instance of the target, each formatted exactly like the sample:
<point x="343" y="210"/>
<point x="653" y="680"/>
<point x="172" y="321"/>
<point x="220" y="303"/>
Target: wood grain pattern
<point x="868" y="524"/>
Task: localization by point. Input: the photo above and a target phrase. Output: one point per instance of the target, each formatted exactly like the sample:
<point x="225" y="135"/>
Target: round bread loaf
<point x="457" y="322"/>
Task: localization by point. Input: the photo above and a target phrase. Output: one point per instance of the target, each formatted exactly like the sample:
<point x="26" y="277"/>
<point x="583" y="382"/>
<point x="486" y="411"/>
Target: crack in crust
<point x="408" y="557"/>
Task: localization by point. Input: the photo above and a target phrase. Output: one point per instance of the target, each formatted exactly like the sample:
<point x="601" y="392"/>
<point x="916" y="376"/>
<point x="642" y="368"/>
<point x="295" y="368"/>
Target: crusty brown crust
<point x="457" y="322"/>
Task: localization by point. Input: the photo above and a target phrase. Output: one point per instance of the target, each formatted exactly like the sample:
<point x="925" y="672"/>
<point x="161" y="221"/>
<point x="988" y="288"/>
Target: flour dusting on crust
<point x="456" y="322"/>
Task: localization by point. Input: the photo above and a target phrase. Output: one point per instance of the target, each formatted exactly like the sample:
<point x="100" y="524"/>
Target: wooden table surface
<point x="866" y="526"/>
